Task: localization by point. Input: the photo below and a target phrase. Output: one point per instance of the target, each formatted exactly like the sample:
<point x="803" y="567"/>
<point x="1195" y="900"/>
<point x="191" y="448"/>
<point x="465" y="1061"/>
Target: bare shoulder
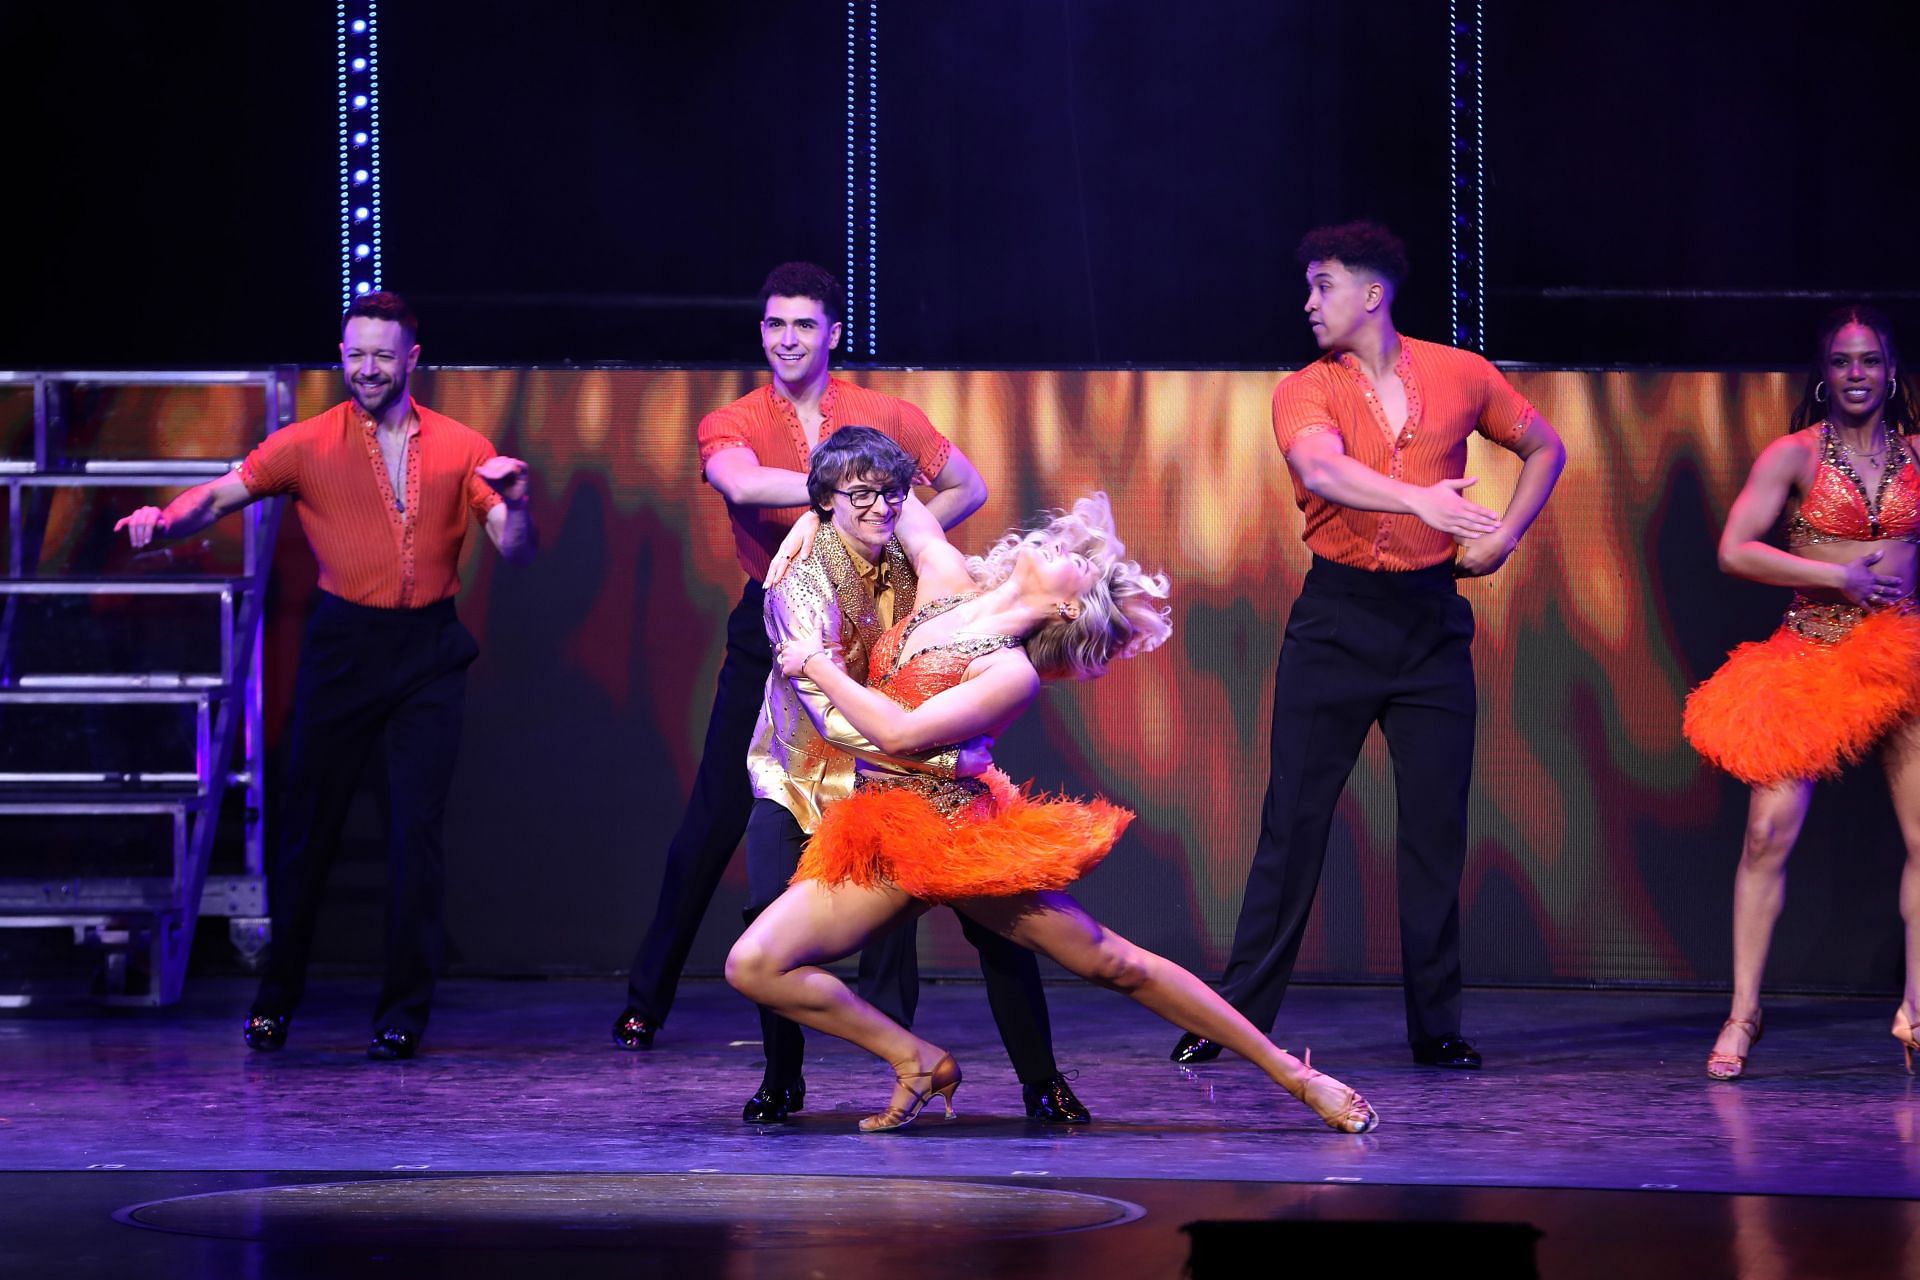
<point x="942" y="570"/>
<point x="1797" y="453"/>
<point x="1009" y="664"/>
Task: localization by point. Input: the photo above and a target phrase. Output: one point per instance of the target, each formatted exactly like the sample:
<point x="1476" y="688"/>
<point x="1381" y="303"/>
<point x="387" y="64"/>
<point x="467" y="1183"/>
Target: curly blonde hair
<point x="1120" y="614"/>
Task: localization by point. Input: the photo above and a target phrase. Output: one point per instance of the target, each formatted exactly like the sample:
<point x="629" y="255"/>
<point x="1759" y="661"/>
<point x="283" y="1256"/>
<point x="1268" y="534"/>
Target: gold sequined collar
<point x="860" y="619"/>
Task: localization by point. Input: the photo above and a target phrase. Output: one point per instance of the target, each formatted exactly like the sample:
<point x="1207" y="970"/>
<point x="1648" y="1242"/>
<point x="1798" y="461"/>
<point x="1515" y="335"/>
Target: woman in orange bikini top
<point x="1841" y="677"/>
<point x="1835" y="507"/>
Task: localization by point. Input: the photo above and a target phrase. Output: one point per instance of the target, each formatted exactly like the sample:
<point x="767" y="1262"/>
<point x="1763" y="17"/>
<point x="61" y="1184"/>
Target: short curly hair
<point x="856" y="453"/>
<point x="804" y="280"/>
<point x="384" y="305"/>
<point x="1120" y="614"/>
<point x="1363" y="246"/>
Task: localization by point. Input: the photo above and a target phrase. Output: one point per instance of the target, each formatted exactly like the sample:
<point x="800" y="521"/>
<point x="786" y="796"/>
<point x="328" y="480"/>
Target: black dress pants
<point x="1364" y="648"/>
<point x="889" y="969"/>
<point x="372" y="684"/>
<point x="710" y="830"/>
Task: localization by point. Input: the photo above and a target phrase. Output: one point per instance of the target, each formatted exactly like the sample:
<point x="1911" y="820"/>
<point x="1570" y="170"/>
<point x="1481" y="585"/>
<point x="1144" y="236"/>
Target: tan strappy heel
<point x="1903" y="1032"/>
<point x="1731" y="1066"/>
<point x="942" y="1081"/>
<point x="1346" y="1111"/>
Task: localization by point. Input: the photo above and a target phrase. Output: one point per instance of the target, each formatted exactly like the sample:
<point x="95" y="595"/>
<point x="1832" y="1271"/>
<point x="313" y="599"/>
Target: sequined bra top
<point x="934" y="669"/>
<point x="1836" y="507"/>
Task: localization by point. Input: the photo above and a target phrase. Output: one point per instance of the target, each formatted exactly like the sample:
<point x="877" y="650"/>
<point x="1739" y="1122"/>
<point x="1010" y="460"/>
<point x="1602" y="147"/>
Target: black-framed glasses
<point x="863" y="499"/>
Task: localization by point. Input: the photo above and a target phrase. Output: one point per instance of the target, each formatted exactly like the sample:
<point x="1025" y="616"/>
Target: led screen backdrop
<point x="1602" y="850"/>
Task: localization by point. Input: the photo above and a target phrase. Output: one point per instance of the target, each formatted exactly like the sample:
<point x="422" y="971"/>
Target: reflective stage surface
<point x="522" y="1142"/>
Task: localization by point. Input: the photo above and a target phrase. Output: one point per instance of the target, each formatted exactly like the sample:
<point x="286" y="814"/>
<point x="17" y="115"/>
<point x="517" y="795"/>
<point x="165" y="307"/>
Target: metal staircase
<point x="130" y="682"/>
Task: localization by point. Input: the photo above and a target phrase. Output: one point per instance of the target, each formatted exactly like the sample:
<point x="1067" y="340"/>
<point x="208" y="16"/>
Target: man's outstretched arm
<point x="189" y="513"/>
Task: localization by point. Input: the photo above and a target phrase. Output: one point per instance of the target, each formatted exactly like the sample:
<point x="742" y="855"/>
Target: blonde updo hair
<point x="1120" y="614"/>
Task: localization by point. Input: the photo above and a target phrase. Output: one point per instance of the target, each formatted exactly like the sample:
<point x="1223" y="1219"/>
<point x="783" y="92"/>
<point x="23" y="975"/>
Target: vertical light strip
<point x="346" y="199"/>
<point x="357" y="48"/>
<point x="861" y="281"/>
<point x="1480" y="170"/>
<point x="1454" y="102"/>
<point x="1467" y="177"/>
<point x="373" y="134"/>
<point x="849" y="280"/>
<point x="873" y="177"/>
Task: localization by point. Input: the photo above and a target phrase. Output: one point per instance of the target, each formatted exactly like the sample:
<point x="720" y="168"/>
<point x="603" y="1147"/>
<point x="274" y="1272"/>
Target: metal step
<point x="121" y="475"/>
<point x="122" y="705"/>
<point x="51" y="903"/>
<point x="93" y="896"/>
<point x="184" y="585"/>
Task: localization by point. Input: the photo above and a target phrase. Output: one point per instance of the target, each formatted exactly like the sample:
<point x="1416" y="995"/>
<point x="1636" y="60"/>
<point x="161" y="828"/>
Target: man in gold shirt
<point x="858" y="575"/>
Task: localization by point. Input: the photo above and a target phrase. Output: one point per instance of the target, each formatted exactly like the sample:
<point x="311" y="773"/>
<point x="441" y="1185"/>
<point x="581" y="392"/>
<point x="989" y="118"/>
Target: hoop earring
<point x="1820" y="392"/>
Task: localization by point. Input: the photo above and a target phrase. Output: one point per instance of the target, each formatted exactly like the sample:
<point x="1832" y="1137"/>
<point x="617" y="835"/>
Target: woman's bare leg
<point x="777" y="962"/>
<point x="1057" y="926"/>
<point x="1902" y="758"/>
<point x="1774" y="817"/>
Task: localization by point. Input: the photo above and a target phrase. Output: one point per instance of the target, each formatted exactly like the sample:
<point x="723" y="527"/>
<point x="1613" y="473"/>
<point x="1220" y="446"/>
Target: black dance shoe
<point x="265" y="1032"/>
<point x="391" y="1044"/>
<point x="1052" y="1102"/>
<point x="1451" y="1052"/>
<point x="1193" y="1048"/>
<point x="634" y="1030"/>
<point x="773" y="1104"/>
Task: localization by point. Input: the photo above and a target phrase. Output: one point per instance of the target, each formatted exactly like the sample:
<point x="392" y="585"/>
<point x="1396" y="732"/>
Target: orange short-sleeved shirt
<point x="1450" y="394"/>
<point x="768" y="424"/>
<point x="373" y="550"/>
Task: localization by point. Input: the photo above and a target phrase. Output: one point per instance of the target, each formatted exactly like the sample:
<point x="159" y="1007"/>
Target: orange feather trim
<point x="1788" y="708"/>
<point x="1021" y="844"/>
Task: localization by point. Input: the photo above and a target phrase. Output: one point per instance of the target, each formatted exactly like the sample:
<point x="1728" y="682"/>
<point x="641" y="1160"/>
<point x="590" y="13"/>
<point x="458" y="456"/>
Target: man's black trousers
<point x="1365" y="648"/>
<point x="373" y="684"/>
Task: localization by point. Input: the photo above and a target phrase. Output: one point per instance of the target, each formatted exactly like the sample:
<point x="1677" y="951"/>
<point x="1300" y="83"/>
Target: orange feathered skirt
<point x="1792" y="707"/>
<point x="979" y="838"/>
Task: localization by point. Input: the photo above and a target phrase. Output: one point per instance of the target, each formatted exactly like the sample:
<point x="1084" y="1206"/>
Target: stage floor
<point x="521" y="1133"/>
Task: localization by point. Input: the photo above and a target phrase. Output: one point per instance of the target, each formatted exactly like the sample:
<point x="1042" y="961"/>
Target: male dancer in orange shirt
<point x="387" y="490"/>
<point x="1375" y="434"/>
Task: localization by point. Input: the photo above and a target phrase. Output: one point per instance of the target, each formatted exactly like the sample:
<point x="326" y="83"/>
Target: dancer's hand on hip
<point x="1862" y="584"/>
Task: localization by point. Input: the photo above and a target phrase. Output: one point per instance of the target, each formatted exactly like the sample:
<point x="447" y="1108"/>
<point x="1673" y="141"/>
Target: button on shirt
<point x="1450" y="395"/>
<point x="375" y="547"/>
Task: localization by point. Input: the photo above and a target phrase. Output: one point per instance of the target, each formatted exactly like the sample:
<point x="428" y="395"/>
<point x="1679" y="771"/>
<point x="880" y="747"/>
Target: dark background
<point x="1061" y="184"/>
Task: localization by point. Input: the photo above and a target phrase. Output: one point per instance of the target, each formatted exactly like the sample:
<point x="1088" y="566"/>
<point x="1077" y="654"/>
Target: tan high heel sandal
<point x="1903" y="1032"/>
<point x="1731" y="1066"/>
<point x="1348" y="1114"/>
<point x="942" y="1081"/>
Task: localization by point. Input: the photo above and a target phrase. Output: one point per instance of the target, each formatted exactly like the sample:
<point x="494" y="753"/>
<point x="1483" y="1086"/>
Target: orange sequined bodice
<point x="934" y="669"/>
<point x="1836" y="507"/>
